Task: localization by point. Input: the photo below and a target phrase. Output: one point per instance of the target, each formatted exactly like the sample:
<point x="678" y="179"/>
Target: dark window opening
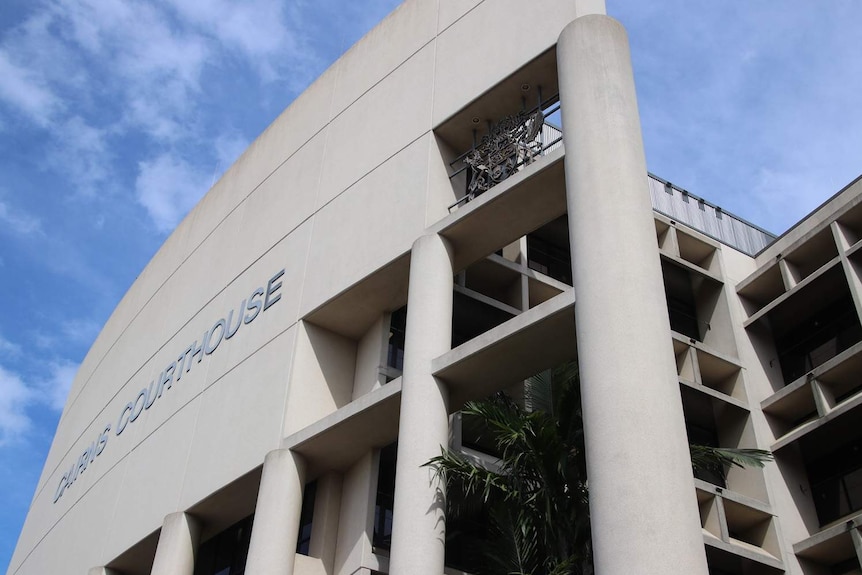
<point x="477" y="435"/>
<point x="305" y="518"/>
<point x="836" y="481"/>
<point x="397" y="325"/>
<point x="384" y="503"/>
<point x="548" y="250"/>
<point x="701" y="428"/>
<point x="226" y="552"/>
<point x="466" y="531"/>
<point x="681" y="306"/>
<point x="818" y="338"/>
<point x="845" y="567"/>
<point x="471" y="318"/>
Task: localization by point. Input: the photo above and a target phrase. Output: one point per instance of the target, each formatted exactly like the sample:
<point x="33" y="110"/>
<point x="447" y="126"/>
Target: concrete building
<point x="412" y="233"/>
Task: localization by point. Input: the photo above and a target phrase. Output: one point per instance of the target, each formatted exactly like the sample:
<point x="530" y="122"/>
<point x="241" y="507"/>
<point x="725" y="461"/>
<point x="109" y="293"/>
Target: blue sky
<point x="116" y="116"/>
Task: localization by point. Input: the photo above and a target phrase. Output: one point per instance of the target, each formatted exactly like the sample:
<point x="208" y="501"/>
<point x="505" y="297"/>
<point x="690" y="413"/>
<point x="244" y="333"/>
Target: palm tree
<point x="537" y="499"/>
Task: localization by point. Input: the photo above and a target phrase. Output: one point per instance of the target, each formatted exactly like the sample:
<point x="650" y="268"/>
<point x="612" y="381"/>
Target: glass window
<point x="226" y="552"/>
<point x="305" y="518"/>
<point x="681" y="305"/>
<point x="385" y="499"/>
<point x="397" y="325"/>
<point x="818" y="338"/>
<point x="836" y="481"/>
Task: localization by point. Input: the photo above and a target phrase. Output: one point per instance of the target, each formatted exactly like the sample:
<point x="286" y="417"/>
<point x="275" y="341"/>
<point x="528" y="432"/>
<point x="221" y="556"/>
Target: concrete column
<point x="272" y="549"/>
<point x="324" y="527"/>
<point x="418" y="530"/>
<point x="356" y="516"/>
<point x="178" y="544"/>
<point x="642" y="500"/>
<point x="101" y="571"/>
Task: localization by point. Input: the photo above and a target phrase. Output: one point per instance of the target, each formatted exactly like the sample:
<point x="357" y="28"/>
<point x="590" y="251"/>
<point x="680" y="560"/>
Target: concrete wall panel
<point x="154" y="474"/>
<point x="240" y="420"/>
<point x="387" y="213"/>
<point x="387" y="46"/>
<point x="76" y="550"/>
<point x="451" y="10"/>
<point x="305" y="117"/>
<point x="386" y="119"/>
<point x="283" y="201"/>
<point x="469" y="63"/>
<point x="322" y="377"/>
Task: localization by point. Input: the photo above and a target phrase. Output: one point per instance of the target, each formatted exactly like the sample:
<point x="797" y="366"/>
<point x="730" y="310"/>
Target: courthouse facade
<point x="416" y="230"/>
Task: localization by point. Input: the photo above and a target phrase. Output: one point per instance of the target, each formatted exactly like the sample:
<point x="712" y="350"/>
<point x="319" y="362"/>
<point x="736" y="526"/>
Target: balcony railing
<point x="518" y="140"/>
<point x="509" y="145"/>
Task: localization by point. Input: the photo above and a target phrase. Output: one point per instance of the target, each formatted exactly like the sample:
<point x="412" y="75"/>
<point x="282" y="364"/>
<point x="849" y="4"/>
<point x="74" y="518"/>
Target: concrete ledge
<point x="511" y="352"/>
<point x="339" y="439"/>
<point x="811" y="426"/>
<point x="745" y="550"/>
<point x="830" y="542"/>
<point x="511" y="209"/>
<point x="688" y="266"/>
<point x="822" y="270"/>
<point x="714" y="393"/>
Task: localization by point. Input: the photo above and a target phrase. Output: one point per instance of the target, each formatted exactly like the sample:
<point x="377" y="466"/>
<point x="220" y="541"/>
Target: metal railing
<point x="508" y="146"/>
<point x="518" y="140"/>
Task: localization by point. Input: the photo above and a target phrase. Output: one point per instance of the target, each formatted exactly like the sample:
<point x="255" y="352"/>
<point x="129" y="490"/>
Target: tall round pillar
<point x="272" y="549"/>
<point x="178" y="544"/>
<point x="418" y="523"/>
<point x="642" y="500"/>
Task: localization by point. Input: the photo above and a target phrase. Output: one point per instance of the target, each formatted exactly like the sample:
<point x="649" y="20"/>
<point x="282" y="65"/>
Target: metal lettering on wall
<point x="260" y="300"/>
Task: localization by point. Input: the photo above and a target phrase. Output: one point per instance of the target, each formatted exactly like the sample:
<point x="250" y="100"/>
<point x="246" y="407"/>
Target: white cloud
<point x="81" y="151"/>
<point x="168" y="187"/>
<point x="18" y="221"/>
<point x="82" y="331"/>
<point x="228" y="147"/>
<point x="26" y="91"/>
<point x="257" y="29"/>
<point x="75" y="332"/>
<point x="155" y="63"/>
<point x="8" y="348"/>
<point x="54" y="390"/>
<point x="14" y="421"/>
<point x="20" y="398"/>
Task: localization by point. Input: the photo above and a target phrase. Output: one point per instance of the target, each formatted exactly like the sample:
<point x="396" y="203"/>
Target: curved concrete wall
<point x="339" y="185"/>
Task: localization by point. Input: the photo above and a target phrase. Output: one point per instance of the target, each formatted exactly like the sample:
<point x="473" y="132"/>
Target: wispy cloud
<point x="26" y="92"/>
<point x="82" y="151"/>
<point x="14" y="421"/>
<point x="228" y="147"/>
<point x="54" y="389"/>
<point x="168" y="187"/>
<point x="8" y="348"/>
<point x="19" y="221"/>
<point x="258" y="30"/>
<point x="727" y="117"/>
<point x="101" y="74"/>
<point x="20" y="398"/>
<point x="78" y="332"/>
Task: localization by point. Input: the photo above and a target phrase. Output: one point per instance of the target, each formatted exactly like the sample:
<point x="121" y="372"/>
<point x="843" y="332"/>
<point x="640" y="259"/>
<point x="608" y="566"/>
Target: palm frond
<point x="514" y="547"/>
<point x="473" y="479"/>
<point x="539" y="392"/>
<point x="716" y="458"/>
